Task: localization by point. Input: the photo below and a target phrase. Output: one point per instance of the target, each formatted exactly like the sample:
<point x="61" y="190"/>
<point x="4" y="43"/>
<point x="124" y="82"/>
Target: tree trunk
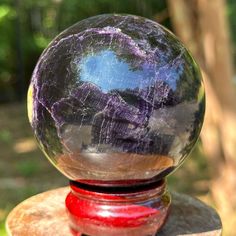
<point x="203" y="28"/>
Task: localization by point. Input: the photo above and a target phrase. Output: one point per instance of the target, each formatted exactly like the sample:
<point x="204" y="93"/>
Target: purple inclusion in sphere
<point x="116" y="98"/>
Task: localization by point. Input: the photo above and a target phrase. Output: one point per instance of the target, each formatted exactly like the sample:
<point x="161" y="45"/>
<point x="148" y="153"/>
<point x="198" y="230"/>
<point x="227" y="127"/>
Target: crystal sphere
<point x="116" y="98"/>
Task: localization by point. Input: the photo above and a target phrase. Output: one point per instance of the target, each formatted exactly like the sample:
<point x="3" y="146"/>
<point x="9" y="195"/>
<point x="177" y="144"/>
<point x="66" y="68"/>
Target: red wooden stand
<point x="115" y="211"/>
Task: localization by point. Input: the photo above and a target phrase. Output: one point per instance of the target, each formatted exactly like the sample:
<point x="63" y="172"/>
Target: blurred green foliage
<point x="27" y="26"/>
<point x="231" y="12"/>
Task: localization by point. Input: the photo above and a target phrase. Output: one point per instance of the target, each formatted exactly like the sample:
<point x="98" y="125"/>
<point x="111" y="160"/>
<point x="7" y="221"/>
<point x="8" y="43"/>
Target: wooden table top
<point x="45" y="215"/>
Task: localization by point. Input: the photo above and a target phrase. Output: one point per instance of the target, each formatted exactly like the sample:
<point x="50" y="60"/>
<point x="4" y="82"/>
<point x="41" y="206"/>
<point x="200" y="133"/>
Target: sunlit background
<point x="208" y="29"/>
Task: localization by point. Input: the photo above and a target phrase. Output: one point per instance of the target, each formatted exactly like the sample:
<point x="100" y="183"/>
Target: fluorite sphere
<point x="116" y="98"/>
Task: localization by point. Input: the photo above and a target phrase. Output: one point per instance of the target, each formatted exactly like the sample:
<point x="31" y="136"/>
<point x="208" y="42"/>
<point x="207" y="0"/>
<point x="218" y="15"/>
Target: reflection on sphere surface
<point x="116" y="98"/>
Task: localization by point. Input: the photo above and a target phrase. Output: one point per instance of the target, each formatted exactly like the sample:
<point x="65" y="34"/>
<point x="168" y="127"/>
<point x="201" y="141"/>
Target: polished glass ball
<point x="116" y="98"/>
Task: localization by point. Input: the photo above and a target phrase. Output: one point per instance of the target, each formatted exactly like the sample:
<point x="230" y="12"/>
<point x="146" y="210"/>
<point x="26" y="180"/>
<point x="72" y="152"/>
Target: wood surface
<point x="45" y="214"/>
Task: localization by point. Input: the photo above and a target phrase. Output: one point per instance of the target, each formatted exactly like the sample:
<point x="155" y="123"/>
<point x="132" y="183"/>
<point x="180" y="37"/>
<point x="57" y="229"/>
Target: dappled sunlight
<point x="201" y="185"/>
<point x="25" y="145"/>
